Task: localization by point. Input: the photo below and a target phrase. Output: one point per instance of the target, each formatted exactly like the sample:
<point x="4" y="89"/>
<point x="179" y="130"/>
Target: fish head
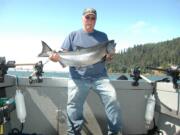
<point x="110" y="47"/>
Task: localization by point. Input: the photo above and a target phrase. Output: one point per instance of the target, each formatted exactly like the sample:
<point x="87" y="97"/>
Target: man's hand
<point x="54" y="57"/>
<point x="109" y="56"/>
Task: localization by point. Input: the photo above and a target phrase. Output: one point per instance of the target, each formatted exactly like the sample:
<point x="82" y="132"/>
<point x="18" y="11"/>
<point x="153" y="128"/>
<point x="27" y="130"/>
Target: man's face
<point x="89" y="22"/>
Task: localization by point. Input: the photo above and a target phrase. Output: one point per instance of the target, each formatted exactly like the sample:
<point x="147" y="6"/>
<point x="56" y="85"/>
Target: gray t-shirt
<point x="83" y="39"/>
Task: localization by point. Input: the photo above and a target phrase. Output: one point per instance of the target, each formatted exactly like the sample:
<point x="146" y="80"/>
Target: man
<point x="93" y="76"/>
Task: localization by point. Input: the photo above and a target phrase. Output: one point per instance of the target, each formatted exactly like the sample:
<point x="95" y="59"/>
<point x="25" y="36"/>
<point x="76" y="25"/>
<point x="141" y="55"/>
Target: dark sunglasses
<point x="90" y="18"/>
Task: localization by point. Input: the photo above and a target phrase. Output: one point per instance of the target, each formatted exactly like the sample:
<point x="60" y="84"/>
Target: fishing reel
<point x="135" y="74"/>
<point x="174" y="72"/>
<point x="36" y="76"/>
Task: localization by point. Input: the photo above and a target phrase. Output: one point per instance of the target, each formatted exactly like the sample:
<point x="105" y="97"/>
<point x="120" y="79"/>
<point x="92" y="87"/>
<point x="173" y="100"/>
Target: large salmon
<point x="82" y="56"/>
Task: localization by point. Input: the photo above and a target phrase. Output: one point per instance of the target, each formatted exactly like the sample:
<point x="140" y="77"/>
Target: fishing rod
<point x="36" y="76"/>
<point x="151" y="100"/>
<point x="167" y="70"/>
<point x="24" y="64"/>
<point x="174" y="72"/>
<point x="136" y="75"/>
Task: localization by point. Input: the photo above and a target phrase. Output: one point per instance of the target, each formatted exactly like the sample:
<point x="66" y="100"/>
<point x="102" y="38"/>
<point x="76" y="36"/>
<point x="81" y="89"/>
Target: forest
<point x="162" y="55"/>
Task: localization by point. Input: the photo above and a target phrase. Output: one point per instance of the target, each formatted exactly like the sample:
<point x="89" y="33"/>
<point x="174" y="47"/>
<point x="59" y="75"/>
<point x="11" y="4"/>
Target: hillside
<point x="161" y="54"/>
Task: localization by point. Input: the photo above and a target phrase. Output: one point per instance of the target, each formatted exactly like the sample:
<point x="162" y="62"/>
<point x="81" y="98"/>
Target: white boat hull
<point x="46" y="107"/>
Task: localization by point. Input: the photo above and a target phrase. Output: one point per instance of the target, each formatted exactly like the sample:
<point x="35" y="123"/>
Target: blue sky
<point x="24" y="23"/>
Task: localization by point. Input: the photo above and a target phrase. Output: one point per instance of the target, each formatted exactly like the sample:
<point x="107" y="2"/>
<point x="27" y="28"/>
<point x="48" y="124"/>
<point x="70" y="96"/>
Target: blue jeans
<point x="77" y="93"/>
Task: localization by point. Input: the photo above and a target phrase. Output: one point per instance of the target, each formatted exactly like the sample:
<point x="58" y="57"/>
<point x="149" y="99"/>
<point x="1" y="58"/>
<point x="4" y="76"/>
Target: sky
<point x="25" y="23"/>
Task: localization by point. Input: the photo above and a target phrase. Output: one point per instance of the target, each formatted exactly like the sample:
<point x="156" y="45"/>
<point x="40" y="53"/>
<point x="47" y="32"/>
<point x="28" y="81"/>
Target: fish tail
<point x="45" y="50"/>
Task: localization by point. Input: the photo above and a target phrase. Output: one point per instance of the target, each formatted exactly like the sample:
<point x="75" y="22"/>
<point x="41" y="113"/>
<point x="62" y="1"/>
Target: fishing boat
<point x="45" y="101"/>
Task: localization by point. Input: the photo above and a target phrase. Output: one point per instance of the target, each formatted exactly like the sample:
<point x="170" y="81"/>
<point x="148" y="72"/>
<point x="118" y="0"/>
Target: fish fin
<point x="45" y="50"/>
